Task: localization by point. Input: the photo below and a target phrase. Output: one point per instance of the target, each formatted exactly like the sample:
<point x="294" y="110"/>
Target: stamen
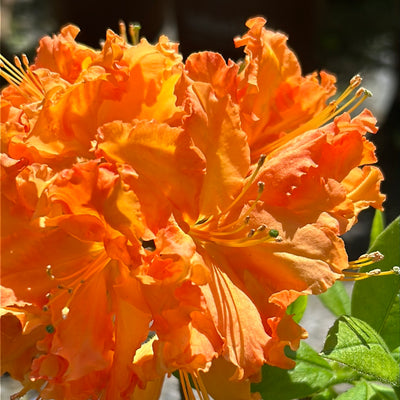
<point x="78" y="278"/>
<point x="250" y="181"/>
<point x="186" y="388"/>
<point x="197" y="383"/>
<point x="366" y="259"/>
<point x="48" y="272"/>
<point x="15" y="75"/>
<point x="245" y="188"/>
<point x="122" y="31"/>
<point x="64" y="312"/>
<point x="350" y="275"/>
<point x="327" y="114"/>
<point x="352" y="272"/>
<point x="134" y="30"/>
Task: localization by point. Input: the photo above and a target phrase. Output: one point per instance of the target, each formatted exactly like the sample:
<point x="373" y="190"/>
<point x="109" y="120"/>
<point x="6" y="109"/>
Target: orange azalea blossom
<point x="160" y="216"/>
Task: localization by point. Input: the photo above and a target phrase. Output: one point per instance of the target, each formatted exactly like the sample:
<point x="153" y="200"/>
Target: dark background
<point x="342" y="36"/>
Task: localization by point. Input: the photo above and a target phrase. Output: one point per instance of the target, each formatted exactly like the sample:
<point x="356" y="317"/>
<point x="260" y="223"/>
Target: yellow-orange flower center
<point x="215" y="229"/>
<point x="334" y="108"/>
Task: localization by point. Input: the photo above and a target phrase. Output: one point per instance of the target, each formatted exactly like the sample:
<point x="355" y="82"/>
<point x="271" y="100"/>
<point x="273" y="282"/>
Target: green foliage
<point x="354" y="343"/>
<point x="368" y="391"/>
<point x="362" y="347"/>
<point x="376" y="300"/>
<point x="297" y="308"/>
<point x="336" y="299"/>
<point x="378" y="225"/>
<point x="311" y="375"/>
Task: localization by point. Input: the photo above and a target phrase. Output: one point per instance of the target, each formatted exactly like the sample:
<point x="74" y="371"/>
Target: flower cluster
<point x="159" y="216"/>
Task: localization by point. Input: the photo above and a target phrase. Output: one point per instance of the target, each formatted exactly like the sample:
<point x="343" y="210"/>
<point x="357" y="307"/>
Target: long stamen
<point x="358" y="276"/>
<point x="15" y="75"/>
<point x="329" y="112"/>
<point x="122" y="31"/>
<point x="134" y="30"/>
<point x="186" y="388"/>
<point x="79" y="278"/>
<point x="206" y="220"/>
<point x="352" y="272"/>
<point x="250" y="181"/>
<point x="366" y="259"/>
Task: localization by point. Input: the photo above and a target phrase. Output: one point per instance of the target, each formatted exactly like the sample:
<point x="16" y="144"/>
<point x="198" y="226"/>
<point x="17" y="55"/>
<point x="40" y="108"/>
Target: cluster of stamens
<point x="75" y="281"/>
<point x="187" y="387"/>
<point x="333" y="109"/>
<point x="236" y="233"/>
<point x="353" y="274"/>
<point x="16" y="75"/>
<point x="133" y="30"/>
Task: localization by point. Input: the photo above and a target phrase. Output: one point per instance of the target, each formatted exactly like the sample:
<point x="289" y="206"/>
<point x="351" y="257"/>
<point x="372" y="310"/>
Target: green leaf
<point x="368" y="391"/>
<point x="327" y="394"/>
<point x="378" y="225"/>
<point x="312" y="374"/>
<point x="336" y="299"/>
<point x="297" y="308"/>
<point x="354" y="343"/>
<point x="376" y="300"/>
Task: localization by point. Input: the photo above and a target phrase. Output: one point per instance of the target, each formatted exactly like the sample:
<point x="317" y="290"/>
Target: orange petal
<point x="214" y="125"/>
<point x="221" y="371"/>
<point x="62" y="54"/>
<point x="238" y="322"/>
<point x="17" y="348"/>
<point x="276" y="98"/>
<point x="211" y="68"/>
<point x="161" y="155"/>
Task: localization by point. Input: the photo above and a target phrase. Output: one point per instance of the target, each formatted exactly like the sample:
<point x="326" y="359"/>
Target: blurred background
<point x="341" y="36"/>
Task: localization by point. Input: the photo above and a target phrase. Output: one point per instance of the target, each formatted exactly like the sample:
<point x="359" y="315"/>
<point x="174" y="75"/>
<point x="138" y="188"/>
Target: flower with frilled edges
<point x="161" y="216"/>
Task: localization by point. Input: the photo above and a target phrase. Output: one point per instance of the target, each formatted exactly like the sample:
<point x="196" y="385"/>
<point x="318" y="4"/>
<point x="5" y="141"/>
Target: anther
<point x="355" y="81"/>
<point x="50" y="329"/>
<point x="122" y="30"/>
<point x="260" y="185"/>
<point x="261" y="160"/>
<point x="64" y="312"/>
<point x="366" y="259"/>
<point x="262" y="228"/>
<point x="49" y="272"/>
<point x="375" y="256"/>
<point x="375" y="271"/>
<point x="134" y="30"/>
<point x="251" y="233"/>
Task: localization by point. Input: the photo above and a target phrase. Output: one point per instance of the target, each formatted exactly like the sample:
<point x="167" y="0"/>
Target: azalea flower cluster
<point x="159" y="216"/>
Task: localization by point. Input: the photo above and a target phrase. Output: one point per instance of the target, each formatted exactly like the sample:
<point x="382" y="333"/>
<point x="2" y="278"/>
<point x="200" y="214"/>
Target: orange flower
<point x="167" y="214"/>
<point x="55" y="107"/>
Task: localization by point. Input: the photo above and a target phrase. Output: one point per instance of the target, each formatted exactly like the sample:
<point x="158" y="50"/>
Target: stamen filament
<point x="134" y="30"/>
<point x="237" y="242"/>
<point x="85" y="273"/>
<point x="206" y="220"/>
<point x="366" y="259"/>
<point x="15" y="75"/>
<point x="186" y="388"/>
<point x="32" y="76"/>
<point x="122" y="31"/>
<point x="250" y="181"/>
<point x="329" y="112"/>
<point x="358" y="276"/>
